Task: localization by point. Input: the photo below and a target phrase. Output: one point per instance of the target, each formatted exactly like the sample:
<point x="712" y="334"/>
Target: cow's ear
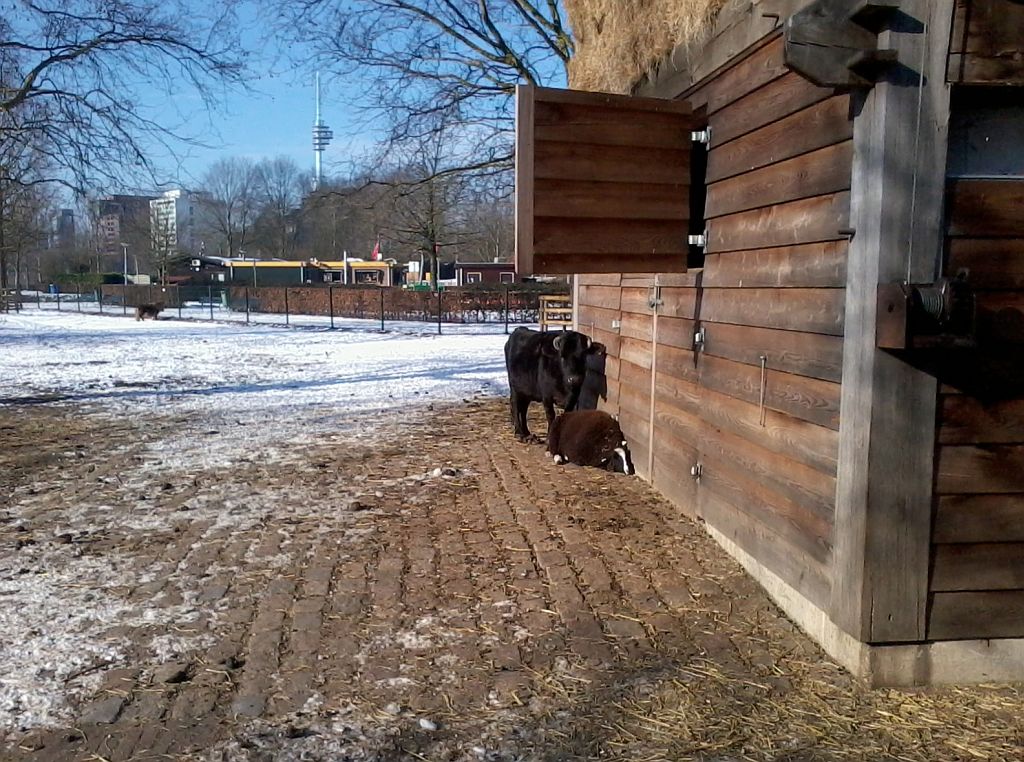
<point x="597" y="348"/>
<point x="559" y="340"/>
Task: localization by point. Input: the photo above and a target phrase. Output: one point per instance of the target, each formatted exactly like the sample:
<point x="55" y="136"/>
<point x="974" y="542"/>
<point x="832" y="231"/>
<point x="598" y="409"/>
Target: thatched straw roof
<point x="618" y="41"/>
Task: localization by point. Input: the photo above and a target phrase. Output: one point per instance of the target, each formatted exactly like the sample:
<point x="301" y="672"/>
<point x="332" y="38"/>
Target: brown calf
<point x="589" y="438"/>
<point x="144" y="311"/>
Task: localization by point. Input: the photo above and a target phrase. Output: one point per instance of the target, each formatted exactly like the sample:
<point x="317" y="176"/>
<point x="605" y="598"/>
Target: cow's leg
<point x="520" y="403"/>
<point x="549" y="410"/>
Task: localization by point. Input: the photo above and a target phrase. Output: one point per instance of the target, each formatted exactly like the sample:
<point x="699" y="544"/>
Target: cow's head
<point x="573" y="350"/>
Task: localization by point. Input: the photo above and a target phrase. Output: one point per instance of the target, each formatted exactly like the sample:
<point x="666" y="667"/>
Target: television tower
<point x="322" y="135"/>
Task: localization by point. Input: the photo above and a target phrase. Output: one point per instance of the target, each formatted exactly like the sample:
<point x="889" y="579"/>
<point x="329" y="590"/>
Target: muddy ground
<point x="437" y="591"/>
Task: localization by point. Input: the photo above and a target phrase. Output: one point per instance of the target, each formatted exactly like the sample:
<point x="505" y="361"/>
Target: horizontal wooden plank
<point x="980" y="566"/>
<point x="689" y="279"/>
<point x="966" y="420"/>
<point x="758" y="69"/>
<point x="979" y="518"/>
<point x="797" y="568"/>
<point x="818" y="126"/>
<point x="638" y="280"/>
<point x="770" y="103"/>
<point x="682" y="394"/>
<point x="973" y="469"/>
<point x="995" y="614"/>
<point x="637" y="353"/>
<point x="809" y="494"/>
<point x="627" y="238"/>
<point x="600" y="279"/>
<point x="984" y="208"/>
<point x="628" y="201"/>
<point x="993" y="263"/>
<point x="637" y="299"/>
<point x="675" y="332"/>
<point x="610" y="164"/>
<point x="813" y="265"/>
<point x="782" y="517"/>
<point x="600" y="125"/>
<point x="675" y="428"/>
<point x="808" y="399"/>
<point x="977" y="69"/>
<point x="672" y="479"/>
<point x="805" y="354"/>
<point x="611" y="366"/>
<point x="797" y="222"/>
<point x="605" y="297"/>
<point x="603" y="262"/>
<point x="678" y="302"/>
<point x="636" y="326"/>
<point x="596" y="317"/>
<point x="826" y="170"/>
<point x="677" y="363"/>
<point x="621" y="103"/>
<point x="811" y="310"/>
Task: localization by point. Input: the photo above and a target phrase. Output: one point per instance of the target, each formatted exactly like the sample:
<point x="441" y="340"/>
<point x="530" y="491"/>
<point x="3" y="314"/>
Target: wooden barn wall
<point x="987" y="44"/>
<point x="772" y="286"/>
<point x="977" y="581"/>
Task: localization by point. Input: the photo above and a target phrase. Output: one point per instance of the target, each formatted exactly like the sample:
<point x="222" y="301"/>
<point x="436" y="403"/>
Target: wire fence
<point x="316" y="305"/>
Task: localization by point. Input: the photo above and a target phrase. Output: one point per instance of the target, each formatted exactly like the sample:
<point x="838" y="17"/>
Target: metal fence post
<point x="438" y="310"/>
<point x="382" y="309"/>
<point x="210" y="294"/>
<point x="177" y="295"/>
<point x="124" y="299"/>
<point x="330" y="306"/>
<point x="39" y="299"/>
<point x="287" y="320"/>
<point x="507" y="290"/>
<point x="246" y="304"/>
<point x="78" y="288"/>
<point x="99" y="298"/>
<point x="58" y="299"/>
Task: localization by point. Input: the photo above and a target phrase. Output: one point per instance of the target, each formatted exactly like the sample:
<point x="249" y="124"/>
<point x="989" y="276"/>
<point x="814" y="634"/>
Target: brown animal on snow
<point x="589" y="438"/>
<point x="144" y="311"/>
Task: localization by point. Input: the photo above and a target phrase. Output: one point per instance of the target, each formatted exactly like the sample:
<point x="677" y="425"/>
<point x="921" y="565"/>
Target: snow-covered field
<point x="237" y="393"/>
<point x="248" y="373"/>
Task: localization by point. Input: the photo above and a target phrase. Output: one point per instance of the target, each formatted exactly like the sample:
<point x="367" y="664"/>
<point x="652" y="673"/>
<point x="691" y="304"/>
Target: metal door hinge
<point x="698" y="240"/>
<point x="698" y="339"/>
<point x="701" y="136"/>
<point x="654" y="298"/>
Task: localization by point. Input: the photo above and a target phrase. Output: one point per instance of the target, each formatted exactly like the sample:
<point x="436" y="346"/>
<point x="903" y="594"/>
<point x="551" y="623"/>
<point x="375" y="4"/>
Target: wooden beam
<point x="888" y="408"/>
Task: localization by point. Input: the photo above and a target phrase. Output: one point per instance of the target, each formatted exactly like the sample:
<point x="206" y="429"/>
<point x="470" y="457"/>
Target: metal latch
<point x="701" y="136"/>
<point x="698" y="339"/>
<point x="654" y="299"/>
<point x="700" y="239"/>
<point x="696" y="471"/>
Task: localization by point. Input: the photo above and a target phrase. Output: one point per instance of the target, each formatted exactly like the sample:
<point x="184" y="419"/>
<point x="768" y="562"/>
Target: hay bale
<point x="619" y="41"/>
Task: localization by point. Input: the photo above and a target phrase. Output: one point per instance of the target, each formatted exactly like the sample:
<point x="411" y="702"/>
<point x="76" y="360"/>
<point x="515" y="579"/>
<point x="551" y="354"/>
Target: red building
<point x="467" y="273"/>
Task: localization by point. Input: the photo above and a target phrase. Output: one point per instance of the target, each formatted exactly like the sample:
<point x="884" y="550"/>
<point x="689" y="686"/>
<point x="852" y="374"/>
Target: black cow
<point x="548" y="368"/>
<point x="589" y="438"/>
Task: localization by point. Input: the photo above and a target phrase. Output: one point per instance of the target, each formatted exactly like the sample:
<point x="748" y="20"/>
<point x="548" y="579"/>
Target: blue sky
<point x="273" y="116"/>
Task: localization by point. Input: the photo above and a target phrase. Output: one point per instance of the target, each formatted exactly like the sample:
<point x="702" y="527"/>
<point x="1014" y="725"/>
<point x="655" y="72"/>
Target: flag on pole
<point x="375" y="256"/>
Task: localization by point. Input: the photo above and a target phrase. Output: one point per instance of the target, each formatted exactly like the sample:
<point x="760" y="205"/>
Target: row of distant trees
<point x="76" y="75"/>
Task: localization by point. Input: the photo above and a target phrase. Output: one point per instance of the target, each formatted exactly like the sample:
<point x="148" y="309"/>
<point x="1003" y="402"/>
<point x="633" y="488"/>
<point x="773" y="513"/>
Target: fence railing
<point x="507" y="305"/>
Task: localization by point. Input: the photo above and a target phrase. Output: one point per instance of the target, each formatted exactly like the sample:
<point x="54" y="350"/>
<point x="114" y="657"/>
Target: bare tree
<point x="74" y="75"/>
<point x="279" y="189"/>
<point x="419" y="59"/>
<point x="230" y="207"/>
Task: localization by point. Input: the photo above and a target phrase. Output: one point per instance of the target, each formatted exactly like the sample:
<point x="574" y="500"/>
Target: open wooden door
<point x="602" y="182"/>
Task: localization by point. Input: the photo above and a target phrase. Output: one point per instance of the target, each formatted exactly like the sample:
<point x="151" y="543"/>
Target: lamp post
<point x="124" y="246"/>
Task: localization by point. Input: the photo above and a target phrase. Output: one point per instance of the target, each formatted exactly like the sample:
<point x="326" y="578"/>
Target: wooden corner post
<point x="887" y="425"/>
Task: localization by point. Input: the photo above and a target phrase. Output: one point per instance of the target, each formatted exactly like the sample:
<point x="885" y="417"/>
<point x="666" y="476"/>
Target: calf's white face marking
<point x="626" y="467"/>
